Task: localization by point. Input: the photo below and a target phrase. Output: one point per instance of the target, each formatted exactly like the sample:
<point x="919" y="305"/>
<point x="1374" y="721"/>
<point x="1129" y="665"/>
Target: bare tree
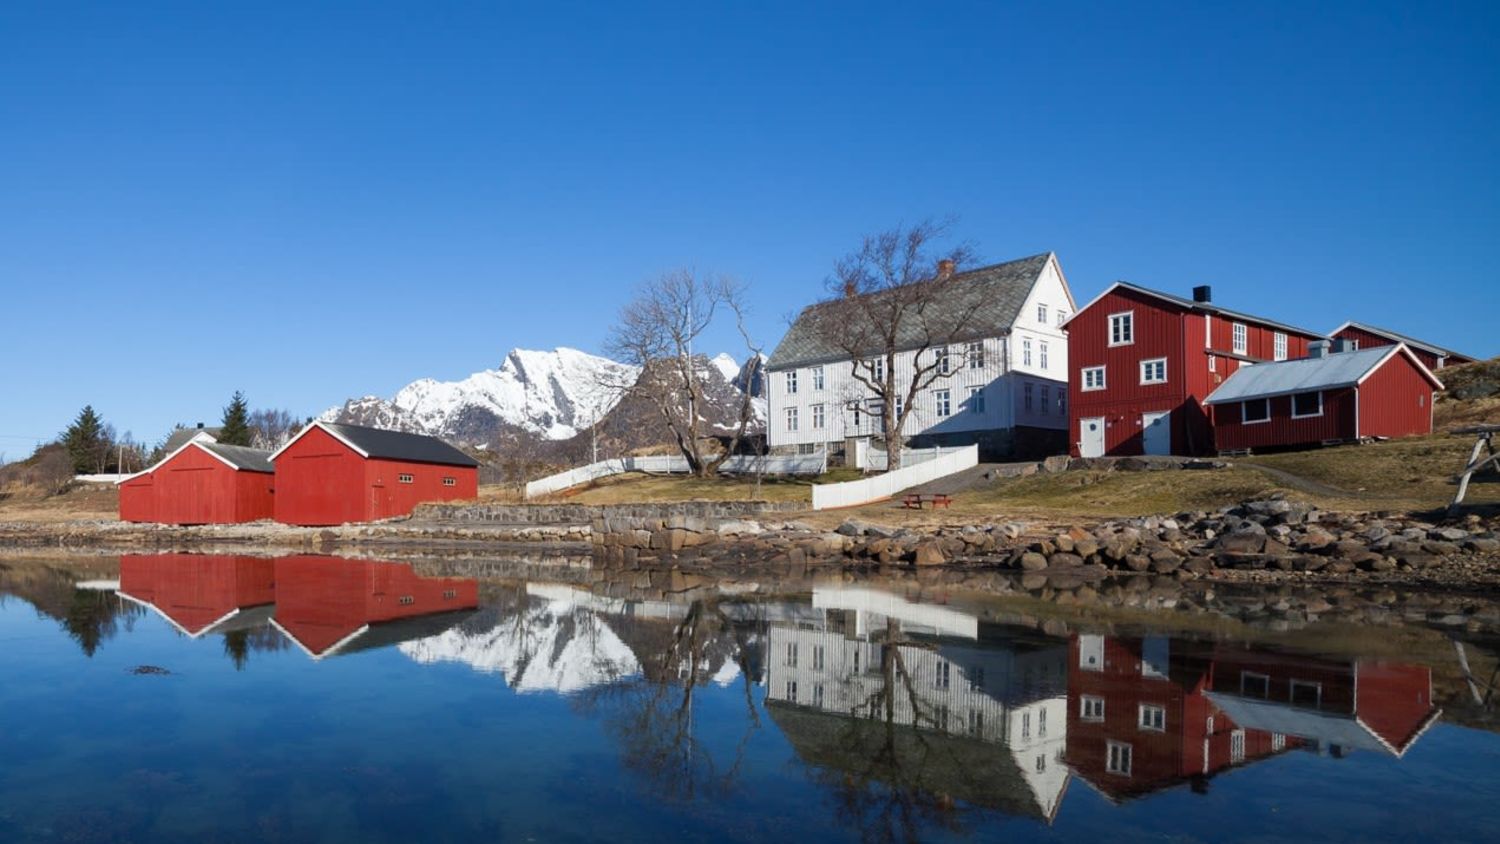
<point x="270" y="429"/>
<point x="656" y="332"/>
<point x="886" y="304"/>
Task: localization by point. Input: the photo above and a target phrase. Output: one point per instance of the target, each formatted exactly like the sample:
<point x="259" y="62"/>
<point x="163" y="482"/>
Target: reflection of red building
<point x="203" y="482"/>
<point x="200" y="593"/>
<point x="1147" y="714"/>
<point x="329" y="605"/>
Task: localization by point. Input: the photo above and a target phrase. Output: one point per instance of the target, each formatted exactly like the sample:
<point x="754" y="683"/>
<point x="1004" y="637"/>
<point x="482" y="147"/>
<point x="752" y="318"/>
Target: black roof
<point x="242" y="457"/>
<point x="987" y="303"/>
<point x="396" y="445"/>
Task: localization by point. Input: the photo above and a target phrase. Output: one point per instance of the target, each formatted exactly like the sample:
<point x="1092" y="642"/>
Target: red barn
<point x="1382" y="392"/>
<point x="201" y="593"/>
<point x="1362" y="336"/>
<point x="333" y="474"/>
<point x="202" y="482"/>
<point x="1141" y="362"/>
<point x="329" y="605"/>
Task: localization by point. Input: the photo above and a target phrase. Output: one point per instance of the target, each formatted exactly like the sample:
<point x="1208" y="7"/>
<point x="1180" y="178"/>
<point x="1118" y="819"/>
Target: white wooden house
<point x="1006" y="387"/>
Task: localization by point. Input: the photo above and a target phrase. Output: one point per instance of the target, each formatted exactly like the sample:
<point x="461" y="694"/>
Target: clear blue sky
<point x="309" y="204"/>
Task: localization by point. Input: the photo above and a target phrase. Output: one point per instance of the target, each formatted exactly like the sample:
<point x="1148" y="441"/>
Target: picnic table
<point x="915" y="500"/>
<point x="1484" y="441"/>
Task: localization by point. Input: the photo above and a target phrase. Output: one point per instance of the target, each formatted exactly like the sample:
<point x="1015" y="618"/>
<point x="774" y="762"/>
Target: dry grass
<point x="1412" y="474"/>
<point x="654" y="488"/>
<point x="80" y="501"/>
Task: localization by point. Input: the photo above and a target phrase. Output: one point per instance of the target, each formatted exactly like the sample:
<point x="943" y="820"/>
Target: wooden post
<point x="1484" y="441"/>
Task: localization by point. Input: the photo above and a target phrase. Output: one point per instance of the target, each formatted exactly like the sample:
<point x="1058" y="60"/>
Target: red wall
<point x="1395" y="701"/>
<point x="1336" y="423"/>
<point x="195" y="488"/>
<point x="1395" y="401"/>
<point x="322" y="600"/>
<point x="1162" y="329"/>
<point x="1368" y="340"/>
<point x="196" y="590"/>
<point x="321" y="481"/>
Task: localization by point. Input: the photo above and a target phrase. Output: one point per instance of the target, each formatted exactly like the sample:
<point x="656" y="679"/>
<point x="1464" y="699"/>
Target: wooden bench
<point x="914" y="500"/>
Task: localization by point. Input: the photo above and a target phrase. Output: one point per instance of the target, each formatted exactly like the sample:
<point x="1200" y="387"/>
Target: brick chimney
<point x="945" y="268"/>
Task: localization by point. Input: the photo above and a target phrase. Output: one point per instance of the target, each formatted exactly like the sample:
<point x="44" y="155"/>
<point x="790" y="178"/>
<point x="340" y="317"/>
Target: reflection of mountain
<point x="329" y="605"/>
<point x="546" y="644"/>
<point x="1150" y="713"/>
<point x="925" y="698"/>
<point x="201" y="594"/>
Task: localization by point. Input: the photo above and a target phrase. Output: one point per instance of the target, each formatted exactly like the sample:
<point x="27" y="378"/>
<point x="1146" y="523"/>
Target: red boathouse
<point x="1141" y="362"/>
<point x="1331" y="397"/>
<point x="1362" y="336"/>
<point x="202" y="482"/>
<point x="201" y="593"/>
<point x="332" y="474"/>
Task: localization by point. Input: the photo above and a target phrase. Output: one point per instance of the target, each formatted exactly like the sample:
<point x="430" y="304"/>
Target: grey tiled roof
<point x="1263" y="380"/>
<point x="395" y="445"/>
<point x="1410" y="341"/>
<point x="986" y="300"/>
<point x="241" y="457"/>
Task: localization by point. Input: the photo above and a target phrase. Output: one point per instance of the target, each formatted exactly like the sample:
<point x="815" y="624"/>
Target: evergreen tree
<point x="86" y="441"/>
<point x="236" y="424"/>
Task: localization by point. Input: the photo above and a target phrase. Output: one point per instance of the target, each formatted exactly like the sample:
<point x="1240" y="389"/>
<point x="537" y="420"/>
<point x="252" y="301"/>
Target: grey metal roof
<point x="1402" y="338"/>
<point x="396" y="445"/>
<point x="178" y="438"/>
<point x="242" y="457"/>
<point x="987" y="302"/>
<point x="1210" y="307"/>
<point x="1304" y="375"/>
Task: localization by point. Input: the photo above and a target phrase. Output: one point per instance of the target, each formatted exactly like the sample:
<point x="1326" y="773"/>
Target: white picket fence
<point x="851" y="493"/>
<point x="872" y="459"/>
<point x="675" y="464"/>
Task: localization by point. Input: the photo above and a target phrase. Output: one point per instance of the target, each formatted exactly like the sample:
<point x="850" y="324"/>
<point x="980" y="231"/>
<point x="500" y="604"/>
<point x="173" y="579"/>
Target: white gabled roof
<point x="1306" y="375"/>
<point x="327" y="429"/>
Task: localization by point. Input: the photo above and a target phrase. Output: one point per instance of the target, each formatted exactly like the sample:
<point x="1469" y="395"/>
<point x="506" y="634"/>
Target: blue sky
<point x="313" y="203"/>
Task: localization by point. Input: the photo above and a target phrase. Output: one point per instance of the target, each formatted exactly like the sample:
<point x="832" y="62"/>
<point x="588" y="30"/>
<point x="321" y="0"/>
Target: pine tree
<point x="236" y="424"/>
<point x="85" y="441"/>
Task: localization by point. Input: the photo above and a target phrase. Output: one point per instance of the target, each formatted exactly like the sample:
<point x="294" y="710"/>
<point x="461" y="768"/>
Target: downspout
<point x="1356" y="413"/>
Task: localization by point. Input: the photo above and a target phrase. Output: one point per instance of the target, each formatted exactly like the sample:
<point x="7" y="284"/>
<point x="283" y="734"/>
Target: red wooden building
<point x="330" y="605"/>
<point x="202" y="482"/>
<point x="333" y="474"/>
<point x="1141" y="362"/>
<point x="1383" y="392"/>
<point x="201" y="593"/>
<point x="1362" y="336"/>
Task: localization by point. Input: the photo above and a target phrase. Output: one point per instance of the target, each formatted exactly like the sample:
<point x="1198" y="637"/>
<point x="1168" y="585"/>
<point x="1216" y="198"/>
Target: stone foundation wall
<point x="587" y="514"/>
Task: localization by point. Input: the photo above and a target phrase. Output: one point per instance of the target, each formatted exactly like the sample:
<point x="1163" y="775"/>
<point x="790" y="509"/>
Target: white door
<point x="1091" y="437"/>
<point x="1156" y="432"/>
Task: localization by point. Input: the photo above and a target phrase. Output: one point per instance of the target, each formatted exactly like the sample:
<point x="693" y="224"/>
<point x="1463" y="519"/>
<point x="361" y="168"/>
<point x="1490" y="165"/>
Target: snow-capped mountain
<point x="553" y="395"/>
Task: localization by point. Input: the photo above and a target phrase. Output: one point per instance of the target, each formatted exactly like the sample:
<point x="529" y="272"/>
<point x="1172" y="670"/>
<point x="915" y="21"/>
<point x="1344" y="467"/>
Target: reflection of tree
<point x="92" y="617"/>
<point x="652" y="716"/>
<point x="237" y="647"/>
<point x="884" y="789"/>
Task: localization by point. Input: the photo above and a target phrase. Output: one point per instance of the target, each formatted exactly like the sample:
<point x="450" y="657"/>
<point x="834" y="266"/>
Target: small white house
<point x="1006" y="387"/>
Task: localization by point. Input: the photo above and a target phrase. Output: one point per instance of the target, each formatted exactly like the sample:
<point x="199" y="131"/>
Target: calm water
<point x="193" y="698"/>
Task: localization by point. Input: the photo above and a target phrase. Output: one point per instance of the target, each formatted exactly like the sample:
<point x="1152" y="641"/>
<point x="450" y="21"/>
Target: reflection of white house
<point x="1007" y="365"/>
<point x="945" y="677"/>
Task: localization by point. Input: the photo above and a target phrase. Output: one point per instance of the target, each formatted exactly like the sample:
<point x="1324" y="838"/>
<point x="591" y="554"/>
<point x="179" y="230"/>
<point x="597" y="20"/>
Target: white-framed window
<point x="1152" y="717"/>
<point x="1306" y="694"/>
<point x="1041" y="313"/>
<point x="818" y="695"/>
<point x="1062" y="316"/>
<point x="1025" y="725"/>
<point x="1353" y="345"/>
<point x="1278" y="346"/>
<point x="900" y="405"/>
<point x="1236" y="746"/>
<point x="1041" y="723"/>
<point x="1093" y="378"/>
<point x="807" y="448"/>
<point x="1154" y="371"/>
<point x="1041" y="763"/>
<point x="1062" y="401"/>
<point x="404" y="478"/>
<point x="1041" y="356"/>
<point x="976" y="677"/>
<point x="1278" y="742"/>
<point x="791" y="382"/>
<point x="791" y="654"/>
<point x="976" y="399"/>
<point x="791" y="691"/>
<point x="877" y="369"/>
<point x="1117" y="760"/>
<point x="1253" y="684"/>
<point x="976" y="722"/>
<point x="1122" y="328"/>
<point x="1213" y="363"/>
<point x="1256" y="411"/>
<point x="791" y="419"/>
<point x="1241" y="339"/>
<point x="974" y="353"/>
<point x="1307" y="404"/>
<point x="1026" y="397"/>
<point x="942" y="675"/>
<point x="817" y="657"/>
<point x="819" y="419"/>
<point x="1091" y="708"/>
<point x="817" y="378"/>
<point x="448" y="481"/>
<point x="944" y="360"/>
<point x="1026" y="351"/>
<point x="1046" y="400"/>
<point x="943" y="402"/>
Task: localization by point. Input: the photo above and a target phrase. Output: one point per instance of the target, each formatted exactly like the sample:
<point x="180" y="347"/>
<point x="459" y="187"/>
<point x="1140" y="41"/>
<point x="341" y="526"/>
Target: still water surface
<point x="195" y="698"/>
